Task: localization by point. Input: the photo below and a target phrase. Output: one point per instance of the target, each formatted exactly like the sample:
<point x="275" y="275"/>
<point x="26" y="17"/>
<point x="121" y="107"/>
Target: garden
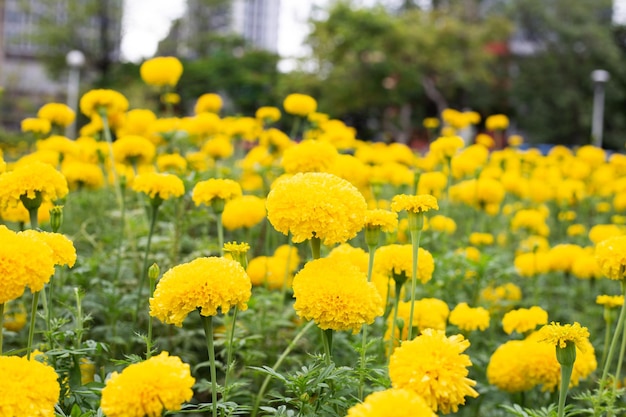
<point x="274" y="264"/>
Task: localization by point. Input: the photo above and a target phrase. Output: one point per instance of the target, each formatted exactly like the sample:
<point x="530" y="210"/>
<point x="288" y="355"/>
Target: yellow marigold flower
<point x="108" y="101"/>
<point x="497" y="122"/>
<point x="446" y="147"/>
<point x="559" y="335"/>
<point x="218" y="147"/>
<point x="204" y="192"/>
<point x="501" y="297"/>
<point x="87" y="371"/>
<point x="170" y="98"/>
<point x="208" y="103"/>
<point x="299" y="104"/>
<point x="523" y="320"/>
<point x="347" y="252"/>
<point x="428" y="313"/>
<point x="352" y="169"/>
<point x="531" y="263"/>
<point x="63" y="250"/>
<point x="601" y="232"/>
<point x="134" y="150"/>
<point x="395" y="402"/>
<point x="161" y="71"/>
<point x="57" y="113"/>
<point x="610" y="256"/>
<point x="36" y="125"/>
<point x="61" y="144"/>
<point x="470" y="252"/>
<point x="433" y="365"/>
<point x="507" y="366"/>
<point x="316" y="204"/>
<point x="430" y="123"/>
<point x="336" y="295"/>
<point x="391" y="173"/>
<point x="485" y="140"/>
<point x="383" y="220"/>
<point x="268" y="114"/>
<point x="82" y="174"/>
<point x="414" y="203"/>
<point x="478" y="239"/>
<point x="205" y="284"/>
<point x="432" y="183"/>
<point x="469" y="318"/>
<point x="30" y="388"/>
<point x="610" y="301"/>
<point x="137" y="122"/>
<point x="562" y="256"/>
<point x="576" y="230"/>
<point x="33" y="180"/>
<point x="317" y="119"/>
<point x="243" y="212"/>
<point x="14" y="316"/>
<point x="159" y="185"/>
<point x="273" y="271"/>
<point x="442" y="224"/>
<point x="398" y="260"/>
<point x="309" y="156"/>
<point x="147" y="389"/>
<point x="515" y="141"/>
<point x="586" y="267"/>
<point x="593" y="155"/>
<point x="173" y="162"/>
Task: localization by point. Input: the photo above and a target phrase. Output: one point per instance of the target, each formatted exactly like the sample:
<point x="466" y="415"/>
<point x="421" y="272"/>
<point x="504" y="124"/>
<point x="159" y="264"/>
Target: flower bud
<point x="56" y="218"/>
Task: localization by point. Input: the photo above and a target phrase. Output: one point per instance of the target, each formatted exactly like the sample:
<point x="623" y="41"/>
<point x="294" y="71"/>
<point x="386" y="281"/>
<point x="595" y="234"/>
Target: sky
<point x="146" y="22"/>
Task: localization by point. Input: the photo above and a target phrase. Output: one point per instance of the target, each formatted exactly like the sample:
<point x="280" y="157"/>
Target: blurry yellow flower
<point x="446" y="147"/>
<point x="133" y="150"/>
<point x="562" y="256"/>
<point x="316" y="204"/>
<point x="442" y="224"/>
<point x="576" y="230"/>
<point x="470" y="252"/>
<point x="610" y="301"/>
<point x="36" y="125"/>
<point x="432" y="183"/>
<point x="137" y="122"/>
<point x="208" y="103"/>
<point x="610" y="257"/>
<point x="507" y="367"/>
<point x="433" y="365"/>
<point x="63" y="251"/>
<point x="172" y="162"/>
<point x="395" y="402"/>
<point x="336" y="295"/>
<point x="485" y="140"/>
<point x="468" y="318"/>
<point x="158" y="185"/>
<point x="218" y="147"/>
<point x="430" y="123"/>
<point x="601" y="232"/>
<point x="205" y="284"/>
<point x="497" y="122"/>
<point x="515" y="141"/>
<point x="204" y="192"/>
<point x="479" y="239"/>
<point x="299" y="104"/>
<point x="147" y="389"/>
<point x="380" y="219"/>
<point x="243" y="212"/>
<point x="14" y="316"/>
<point x="530" y="264"/>
<point x="429" y="313"/>
<point x="586" y="267"/>
<point x="30" y="388"/>
<point x="58" y="114"/>
<point x="268" y="114"/>
<point x="161" y="71"/>
<point x="103" y="100"/>
<point x="523" y="320"/>
<point x="61" y="144"/>
<point x="82" y="174"/>
<point x="309" y="156"/>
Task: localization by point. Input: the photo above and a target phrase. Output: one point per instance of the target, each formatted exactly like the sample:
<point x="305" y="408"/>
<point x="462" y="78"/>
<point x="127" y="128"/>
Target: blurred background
<point x="380" y="66"/>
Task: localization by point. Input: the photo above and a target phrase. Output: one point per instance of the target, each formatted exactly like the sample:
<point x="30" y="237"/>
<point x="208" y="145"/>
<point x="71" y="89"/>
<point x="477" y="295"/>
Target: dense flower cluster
<point x="414" y="203"/>
<point x="159" y="185"/>
<point x="395" y="402"/>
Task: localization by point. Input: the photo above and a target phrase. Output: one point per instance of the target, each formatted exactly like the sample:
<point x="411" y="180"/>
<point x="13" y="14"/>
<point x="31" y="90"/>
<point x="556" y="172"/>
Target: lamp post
<point x="599" y="78"/>
<point x="75" y="60"/>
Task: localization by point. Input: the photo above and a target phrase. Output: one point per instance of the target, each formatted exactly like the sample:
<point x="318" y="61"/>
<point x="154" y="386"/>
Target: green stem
<point x="394" y="319"/>
<point x="327" y="340"/>
<point x="370" y="268"/>
<point x="283" y="290"/>
<point x="295" y="128"/>
<point x="616" y="335"/>
<point x="46" y="312"/>
<point x="607" y="333"/>
<point x="1" y="326"/>
<point x="620" y="358"/>
<point x="415" y="239"/>
<point x="80" y="327"/>
<point x="120" y="239"/>
<point x="109" y="139"/>
<point x="34" y="221"/>
<point x="220" y="234"/>
<point x="316" y="244"/>
<point x="278" y="362"/>
<point x="144" y="269"/>
<point x="566" y="374"/>
<point x="31" y="329"/>
<point x="149" y="343"/>
<point x="229" y="352"/>
<point x="207" y="323"/>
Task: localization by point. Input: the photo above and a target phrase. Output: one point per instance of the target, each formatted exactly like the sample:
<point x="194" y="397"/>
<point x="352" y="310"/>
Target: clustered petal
<point x="162" y="185"/>
<point x="395" y="402"/>
<point x="414" y="203"/>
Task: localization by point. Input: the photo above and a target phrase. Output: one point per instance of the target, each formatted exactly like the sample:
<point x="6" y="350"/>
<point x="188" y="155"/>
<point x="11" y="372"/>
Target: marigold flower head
<point x="309" y="156"/>
<point x="173" y="162"/>
<point x="59" y="114"/>
<point x="395" y="402"/>
<point x="30" y="388"/>
<point x="497" y="122"/>
<point x="611" y="256"/>
<point x="559" y="335"/>
<point x="507" y="365"/>
<point x="586" y="267"/>
<point x="433" y="366"/>
<point x="234" y="247"/>
<point x="601" y="232"/>
<point x="299" y="104"/>
<point x="243" y="212"/>
<point x="32" y="180"/>
<point x="385" y="220"/>
<point x="102" y="100"/>
<point x="275" y="272"/>
<point x="63" y="250"/>
<point x="414" y="203"/>
<point x="316" y="204"/>
<point x="479" y="239"/>
<point x="137" y="122"/>
<point x="523" y="320"/>
<point x="161" y="71"/>
<point x="14" y="316"/>
<point x="205" y="284"/>
<point x="159" y="185"/>
<point x="218" y="147"/>
<point x="469" y="318"/>
<point x="208" y="103"/>
<point x="610" y="301"/>
<point x="430" y="123"/>
<point x="428" y="313"/>
<point x="36" y="125"/>
<point x="336" y="295"/>
<point x="206" y="191"/>
<point x="268" y="114"/>
<point x="432" y="183"/>
<point x="147" y="389"/>
<point x="82" y="174"/>
<point x="398" y="259"/>
<point x="446" y="147"/>
<point x="515" y="140"/>
<point x="135" y="150"/>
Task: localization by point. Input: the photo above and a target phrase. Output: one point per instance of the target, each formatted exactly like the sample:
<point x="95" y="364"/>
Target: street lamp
<point x="75" y="60"/>
<point x="599" y="78"/>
